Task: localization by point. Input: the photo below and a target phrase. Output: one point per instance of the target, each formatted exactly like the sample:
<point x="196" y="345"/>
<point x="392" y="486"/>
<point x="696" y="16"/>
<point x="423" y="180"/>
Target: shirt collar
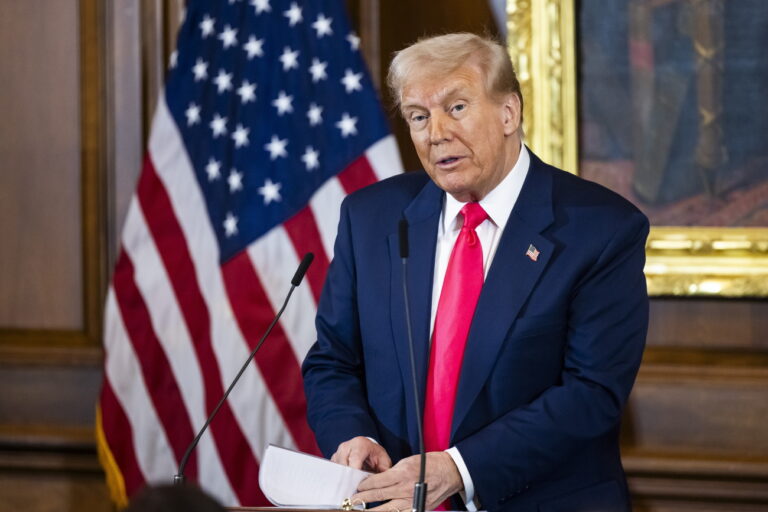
<point x="498" y="203"/>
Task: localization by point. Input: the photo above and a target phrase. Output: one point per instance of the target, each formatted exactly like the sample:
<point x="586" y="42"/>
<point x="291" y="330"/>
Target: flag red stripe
<point x="276" y="359"/>
<point x="357" y="175"/>
<point x="305" y="237"/>
<point x="162" y="387"/>
<point x="119" y="435"/>
<point x="239" y="462"/>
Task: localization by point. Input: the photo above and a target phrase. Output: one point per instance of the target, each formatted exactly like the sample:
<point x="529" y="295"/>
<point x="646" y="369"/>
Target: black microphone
<point x="303" y="266"/>
<point x="402" y="231"/>
<point x="420" y="488"/>
<point x="296" y="281"/>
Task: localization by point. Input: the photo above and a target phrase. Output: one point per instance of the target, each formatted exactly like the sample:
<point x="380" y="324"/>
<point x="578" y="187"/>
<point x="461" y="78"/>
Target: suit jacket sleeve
<point x="333" y="369"/>
<point x="607" y="324"/>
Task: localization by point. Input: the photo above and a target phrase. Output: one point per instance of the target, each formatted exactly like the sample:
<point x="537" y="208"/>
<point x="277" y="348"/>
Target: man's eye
<point x="459" y="107"/>
<point x="418" y="119"/>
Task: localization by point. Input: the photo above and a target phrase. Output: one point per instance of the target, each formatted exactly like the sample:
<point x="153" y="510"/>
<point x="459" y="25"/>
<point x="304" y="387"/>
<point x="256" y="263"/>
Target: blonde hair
<point x="446" y="53"/>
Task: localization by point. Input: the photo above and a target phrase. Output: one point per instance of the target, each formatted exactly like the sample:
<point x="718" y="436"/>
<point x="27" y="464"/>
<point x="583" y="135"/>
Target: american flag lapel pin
<point x="532" y="252"/>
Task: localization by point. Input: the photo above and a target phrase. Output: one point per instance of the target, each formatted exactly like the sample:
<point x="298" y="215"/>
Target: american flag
<point x="532" y="252"/>
<point x="267" y="121"/>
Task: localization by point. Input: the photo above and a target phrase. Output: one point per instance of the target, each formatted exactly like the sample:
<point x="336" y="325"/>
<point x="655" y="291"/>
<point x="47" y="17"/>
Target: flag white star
<point x="311" y="158"/>
<point x="213" y="169"/>
<point x="240" y="136"/>
<point x="206" y="26"/>
<point x="354" y="41"/>
<point x="276" y="147"/>
<point x="228" y="37"/>
<point x="270" y="191"/>
<point x="235" y="180"/>
<point x="261" y="6"/>
<point x="230" y="225"/>
<point x="174" y="58"/>
<point x="351" y="81"/>
<point x="254" y="47"/>
<point x="323" y="25"/>
<point x="347" y="125"/>
<point x="247" y="91"/>
<point x="200" y="70"/>
<point x="293" y="14"/>
<point x="283" y="103"/>
<point x="218" y="125"/>
<point x="223" y="81"/>
<point x="315" y="114"/>
<point x="193" y="114"/>
<point x="289" y="58"/>
<point x="317" y="70"/>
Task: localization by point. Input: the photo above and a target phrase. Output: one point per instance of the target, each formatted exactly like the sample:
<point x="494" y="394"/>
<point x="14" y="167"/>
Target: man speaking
<point x="528" y="307"/>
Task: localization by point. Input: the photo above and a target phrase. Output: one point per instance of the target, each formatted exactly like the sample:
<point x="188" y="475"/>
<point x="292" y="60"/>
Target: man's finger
<point x="393" y="506"/>
<point x="381" y="462"/>
<point x="379" y="494"/>
<point x="380" y="480"/>
<point x="356" y="459"/>
<point x="370" y="496"/>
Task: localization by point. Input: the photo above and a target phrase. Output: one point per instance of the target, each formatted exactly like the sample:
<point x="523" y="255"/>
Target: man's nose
<point x="439" y="129"/>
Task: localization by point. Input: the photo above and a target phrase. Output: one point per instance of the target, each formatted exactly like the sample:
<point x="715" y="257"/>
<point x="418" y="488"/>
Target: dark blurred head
<point x="173" y="498"/>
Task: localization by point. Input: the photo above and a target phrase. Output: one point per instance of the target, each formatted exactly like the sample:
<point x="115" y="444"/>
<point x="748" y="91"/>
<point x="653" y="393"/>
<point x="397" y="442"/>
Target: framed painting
<point x="662" y="101"/>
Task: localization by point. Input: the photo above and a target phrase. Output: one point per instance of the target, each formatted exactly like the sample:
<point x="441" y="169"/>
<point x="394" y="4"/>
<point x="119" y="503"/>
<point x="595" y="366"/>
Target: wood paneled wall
<point x="52" y="229"/>
<point x="75" y="117"/>
<point x="40" y="96"/>
<point x="695" y="435"/>
<point x="82" y="82"/>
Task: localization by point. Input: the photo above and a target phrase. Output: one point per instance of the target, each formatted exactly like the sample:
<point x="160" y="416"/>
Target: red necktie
<point x="455" y="309"/>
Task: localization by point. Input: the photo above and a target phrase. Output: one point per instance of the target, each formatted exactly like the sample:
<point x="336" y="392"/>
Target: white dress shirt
<point x="498" y="204"/>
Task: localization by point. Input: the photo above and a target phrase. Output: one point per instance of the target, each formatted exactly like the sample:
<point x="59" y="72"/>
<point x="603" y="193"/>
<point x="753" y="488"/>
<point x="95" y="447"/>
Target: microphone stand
<point x="420" y="488"/>
<point x="179" y="478"/>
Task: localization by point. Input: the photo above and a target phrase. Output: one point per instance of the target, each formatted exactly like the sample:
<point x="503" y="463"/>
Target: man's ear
<point x="511" y="114"/>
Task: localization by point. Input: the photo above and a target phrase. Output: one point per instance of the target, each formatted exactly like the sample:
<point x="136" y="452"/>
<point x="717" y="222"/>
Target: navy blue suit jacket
<point x="552" y="354"/>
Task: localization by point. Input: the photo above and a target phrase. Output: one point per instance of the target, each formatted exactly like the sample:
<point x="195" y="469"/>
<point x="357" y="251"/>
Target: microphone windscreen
<point x="403" y="235"/>
<point x="303" y="266"/>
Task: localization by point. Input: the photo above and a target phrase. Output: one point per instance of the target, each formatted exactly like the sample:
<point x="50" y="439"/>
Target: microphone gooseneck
<point x="420" y="488"/>
<point x="296" y="281"/>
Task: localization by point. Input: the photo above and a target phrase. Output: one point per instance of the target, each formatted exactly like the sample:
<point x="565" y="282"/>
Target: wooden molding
<point x="370" y="35"/>
<point x="47" y="448"/>
<point x="716" y="361"/>
<point x="689" y="477"/>
<point x="64" y="350"/>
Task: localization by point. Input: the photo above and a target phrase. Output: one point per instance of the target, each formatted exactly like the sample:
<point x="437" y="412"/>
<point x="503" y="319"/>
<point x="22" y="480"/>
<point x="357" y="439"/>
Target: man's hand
<point x="362" y="453"/>
<point x="442" y="477"/>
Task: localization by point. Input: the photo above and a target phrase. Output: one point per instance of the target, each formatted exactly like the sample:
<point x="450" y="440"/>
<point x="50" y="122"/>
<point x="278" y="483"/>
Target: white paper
<point x="297" y="480"/>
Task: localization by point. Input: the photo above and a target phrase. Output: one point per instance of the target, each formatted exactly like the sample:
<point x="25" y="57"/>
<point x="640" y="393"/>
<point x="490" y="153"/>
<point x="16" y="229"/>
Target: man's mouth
<point x="448" y="160"/>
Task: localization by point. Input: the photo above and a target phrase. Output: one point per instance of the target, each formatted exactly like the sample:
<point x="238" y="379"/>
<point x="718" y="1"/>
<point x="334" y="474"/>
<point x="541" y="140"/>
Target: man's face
<point x="466" y="141"/>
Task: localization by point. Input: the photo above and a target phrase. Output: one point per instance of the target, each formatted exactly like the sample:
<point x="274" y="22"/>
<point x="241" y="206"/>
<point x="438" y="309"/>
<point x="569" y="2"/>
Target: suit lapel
<point x="423" y="215"/>
<point x="509" y="282"/>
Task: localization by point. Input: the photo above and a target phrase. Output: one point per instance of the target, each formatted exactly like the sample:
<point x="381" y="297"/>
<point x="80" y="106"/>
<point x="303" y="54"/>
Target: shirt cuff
<point x="468" y="495"/>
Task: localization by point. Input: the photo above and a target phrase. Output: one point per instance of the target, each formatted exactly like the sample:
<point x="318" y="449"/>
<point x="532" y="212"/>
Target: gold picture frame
<point x="681" y="261"/>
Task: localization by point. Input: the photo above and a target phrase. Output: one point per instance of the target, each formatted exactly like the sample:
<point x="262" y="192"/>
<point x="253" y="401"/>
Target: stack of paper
<point x="296" y="480"/>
